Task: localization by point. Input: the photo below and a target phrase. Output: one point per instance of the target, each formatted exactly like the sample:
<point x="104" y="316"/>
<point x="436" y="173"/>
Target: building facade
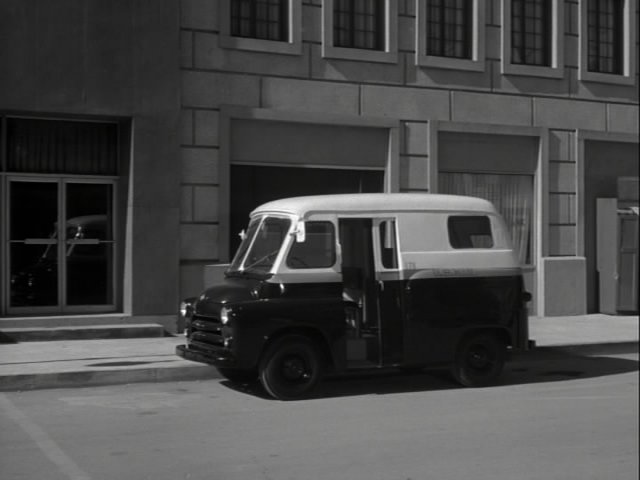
<point x="90" y="112"/>
<point x="193" y="112"/>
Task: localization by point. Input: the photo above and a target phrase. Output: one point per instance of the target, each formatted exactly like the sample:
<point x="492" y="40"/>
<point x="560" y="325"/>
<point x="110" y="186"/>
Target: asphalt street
<point x="554" y="416"/>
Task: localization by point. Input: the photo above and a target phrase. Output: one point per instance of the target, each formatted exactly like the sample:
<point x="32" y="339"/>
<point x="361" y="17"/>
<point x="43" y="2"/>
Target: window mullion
<point x="253" y="18"/>
<point x="352" y="23"/>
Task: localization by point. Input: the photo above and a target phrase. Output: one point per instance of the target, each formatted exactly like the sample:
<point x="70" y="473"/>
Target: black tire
<point x="479" y="360"/>
<point x="411" y="370"/>
<point x="237" y="375"/>
<point x="290" y="368"/>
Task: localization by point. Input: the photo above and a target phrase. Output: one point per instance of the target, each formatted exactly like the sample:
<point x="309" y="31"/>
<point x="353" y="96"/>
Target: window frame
<point x="455" y="220"/>
<point x="334" y="254"/>
<point x="256" y="22"/>
<point x="628" y="75"/>
<point x="556" y="33"/>
<point x="545" y="49"/>
<point x="389" y="54"/>
<point x="292" y="46"/>
<point x="478" y="26"/>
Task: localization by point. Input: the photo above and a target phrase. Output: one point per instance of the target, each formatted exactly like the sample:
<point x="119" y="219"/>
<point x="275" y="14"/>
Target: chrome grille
<point x="206" y="331"/>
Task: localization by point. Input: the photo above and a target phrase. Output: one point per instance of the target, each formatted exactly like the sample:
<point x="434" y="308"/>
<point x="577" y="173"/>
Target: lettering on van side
<point x="450" y="272"/>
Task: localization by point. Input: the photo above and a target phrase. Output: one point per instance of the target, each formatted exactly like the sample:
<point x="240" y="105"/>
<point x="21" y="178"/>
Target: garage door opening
<point x="254" y="185"/>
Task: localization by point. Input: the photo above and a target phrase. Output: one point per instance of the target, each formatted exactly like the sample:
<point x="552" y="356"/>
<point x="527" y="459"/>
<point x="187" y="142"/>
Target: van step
<point x="91" y="332"/>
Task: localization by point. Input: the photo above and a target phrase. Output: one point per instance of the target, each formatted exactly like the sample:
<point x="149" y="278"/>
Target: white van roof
<point x="375" y="203"/>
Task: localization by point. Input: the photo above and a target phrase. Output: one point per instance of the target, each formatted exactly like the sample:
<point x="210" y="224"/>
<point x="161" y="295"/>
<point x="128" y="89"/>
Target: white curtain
<point x="512" y="196"/>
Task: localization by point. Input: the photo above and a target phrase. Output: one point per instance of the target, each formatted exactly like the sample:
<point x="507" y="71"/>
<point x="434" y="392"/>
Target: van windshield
<point x="261" y="245"/>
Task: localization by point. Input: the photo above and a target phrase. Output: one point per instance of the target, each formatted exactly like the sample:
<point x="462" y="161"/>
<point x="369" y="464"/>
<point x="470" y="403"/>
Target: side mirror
<point x="242" y="234"/>
<point x="300" y="232"/>
<point x="526" y="297"/>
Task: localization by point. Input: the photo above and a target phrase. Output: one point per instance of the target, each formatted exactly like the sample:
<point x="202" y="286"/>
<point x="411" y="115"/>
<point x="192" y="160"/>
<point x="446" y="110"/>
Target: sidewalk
<point x="78" y="363"/>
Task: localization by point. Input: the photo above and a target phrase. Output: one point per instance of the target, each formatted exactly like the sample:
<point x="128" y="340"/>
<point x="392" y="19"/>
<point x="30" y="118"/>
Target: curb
<point x="198" y="371"/>
<point x="92" y="378"/>
<point x="602" y="348"/>
<point x="586" y="349"/>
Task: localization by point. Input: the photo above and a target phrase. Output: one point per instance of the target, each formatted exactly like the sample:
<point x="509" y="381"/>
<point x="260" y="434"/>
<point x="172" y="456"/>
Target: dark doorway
<point x="252" y="186"/>
<point x="60" y="244"/>
<point x="604" y="163"/>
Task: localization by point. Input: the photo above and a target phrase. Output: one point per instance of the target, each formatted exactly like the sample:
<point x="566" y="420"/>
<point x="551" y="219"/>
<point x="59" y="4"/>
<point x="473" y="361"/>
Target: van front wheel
<point x="479" y="360"/>
<point x="290" y="368"/>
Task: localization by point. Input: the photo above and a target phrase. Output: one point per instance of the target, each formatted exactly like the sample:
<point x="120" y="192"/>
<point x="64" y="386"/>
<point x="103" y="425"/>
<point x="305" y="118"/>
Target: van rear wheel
<point x="290" y="368"/>
<point x="479" y="360"/>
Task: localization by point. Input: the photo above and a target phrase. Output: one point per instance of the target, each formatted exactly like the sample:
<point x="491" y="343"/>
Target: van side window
<point x="388" y="247"/>
<point x="318" y="249"/>
<point x="470" y="231"/>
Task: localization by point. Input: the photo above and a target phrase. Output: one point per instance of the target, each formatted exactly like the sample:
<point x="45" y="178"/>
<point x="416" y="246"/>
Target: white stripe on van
<point x="461" y="272"/>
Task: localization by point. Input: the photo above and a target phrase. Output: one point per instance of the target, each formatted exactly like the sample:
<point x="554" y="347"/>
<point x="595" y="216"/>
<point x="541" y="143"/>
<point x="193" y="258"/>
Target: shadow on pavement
<point x="526" y="369"/>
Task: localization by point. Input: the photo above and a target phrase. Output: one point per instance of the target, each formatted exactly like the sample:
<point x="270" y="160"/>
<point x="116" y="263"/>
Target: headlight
<point x="225" y="314"/>
<point x="184" y="309"/>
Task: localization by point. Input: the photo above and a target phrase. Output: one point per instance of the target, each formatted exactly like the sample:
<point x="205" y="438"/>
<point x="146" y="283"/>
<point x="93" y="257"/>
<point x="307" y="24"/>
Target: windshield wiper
<point x="262" y="259"/>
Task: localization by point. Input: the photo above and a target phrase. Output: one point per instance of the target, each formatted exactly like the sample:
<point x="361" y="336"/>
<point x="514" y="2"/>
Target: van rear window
<point x="470" y="231"/>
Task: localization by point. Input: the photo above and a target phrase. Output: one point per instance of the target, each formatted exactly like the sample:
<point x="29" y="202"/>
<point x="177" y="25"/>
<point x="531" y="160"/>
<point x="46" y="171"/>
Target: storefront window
<point x="512" y="195"/>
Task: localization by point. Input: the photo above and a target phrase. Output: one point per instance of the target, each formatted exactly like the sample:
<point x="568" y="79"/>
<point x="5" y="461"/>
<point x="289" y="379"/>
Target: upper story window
<point x="359" y="24"/>
<point x="273" y="26"/>
<point x="607" y="41"/>
<point x="363" y="30"/>
<point x="605" y="33"/>
<point x="531" y="32"/>
<point x="263" y="19"/>
<point x="533" y="38"/>
<point x="449" y="28"/>
<point x="451" y="34"/>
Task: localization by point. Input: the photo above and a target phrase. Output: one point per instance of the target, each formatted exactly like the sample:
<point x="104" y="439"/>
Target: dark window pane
<point x="34" y="275"/>
<point x="88" y="243"/>
<point x="470" y="232"/>
<point x="449" y="28"/>
<point x="388" y="247"/>
<point x="318" y="249"/>
<point x="261" y="19"/>
<point x="53" y="146"/>
<point x="359" y="24"/>
<point x="89" y="207"/>
<point x="33" y="215"/>
<point x="531" y="32"/>
<point x="605" y="32"/>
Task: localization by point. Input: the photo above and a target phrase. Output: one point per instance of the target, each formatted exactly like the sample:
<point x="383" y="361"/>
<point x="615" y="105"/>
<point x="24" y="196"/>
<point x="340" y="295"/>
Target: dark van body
<point x="349" y="289"/>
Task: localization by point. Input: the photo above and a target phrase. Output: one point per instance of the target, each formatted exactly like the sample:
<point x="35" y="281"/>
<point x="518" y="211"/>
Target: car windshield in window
<point x="470" y="231"/>
<point x="317" y="250"/>
<point x="266" y="242"/>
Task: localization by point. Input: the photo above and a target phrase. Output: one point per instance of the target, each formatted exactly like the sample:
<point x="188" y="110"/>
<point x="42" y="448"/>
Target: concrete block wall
<point x="307" y="83"/>
<point x="414" y="157"/>
<point x="562" y="186"/>
<point x="115" y="61"/>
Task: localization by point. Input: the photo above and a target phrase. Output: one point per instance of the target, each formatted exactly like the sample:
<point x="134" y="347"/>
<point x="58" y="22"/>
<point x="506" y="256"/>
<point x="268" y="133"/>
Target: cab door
<point x="390" y="290"/>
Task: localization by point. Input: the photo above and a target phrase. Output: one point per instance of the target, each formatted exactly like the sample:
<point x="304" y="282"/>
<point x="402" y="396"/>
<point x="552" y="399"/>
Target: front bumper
<point x="219" y="358"/>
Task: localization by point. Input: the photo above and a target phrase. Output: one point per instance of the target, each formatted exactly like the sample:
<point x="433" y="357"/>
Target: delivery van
<point x="334" y="283"/>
